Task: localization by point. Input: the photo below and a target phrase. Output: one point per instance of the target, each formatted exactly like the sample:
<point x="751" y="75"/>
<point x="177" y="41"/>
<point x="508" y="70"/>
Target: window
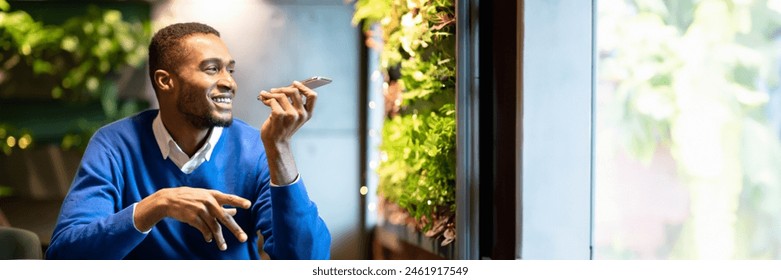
<point x="687" y="156"/>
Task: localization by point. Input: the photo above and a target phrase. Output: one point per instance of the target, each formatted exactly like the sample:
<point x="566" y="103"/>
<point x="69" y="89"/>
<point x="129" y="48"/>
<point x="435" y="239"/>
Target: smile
<point x="222" y="100"/>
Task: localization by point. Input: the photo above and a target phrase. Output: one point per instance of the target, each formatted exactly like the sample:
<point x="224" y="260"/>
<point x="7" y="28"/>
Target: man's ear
<point x="163" y="80"/>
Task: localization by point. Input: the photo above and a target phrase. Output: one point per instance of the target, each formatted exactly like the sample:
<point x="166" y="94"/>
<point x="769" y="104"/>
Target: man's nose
<point x="226" y="82"/>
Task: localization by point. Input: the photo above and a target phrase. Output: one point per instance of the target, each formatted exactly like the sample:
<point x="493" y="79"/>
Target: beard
<point x="196" y="109"/>
<point x="205" y="120"/>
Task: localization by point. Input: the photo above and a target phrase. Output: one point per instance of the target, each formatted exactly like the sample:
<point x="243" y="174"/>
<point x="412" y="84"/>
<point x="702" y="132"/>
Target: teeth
<point x="224" y="100"/>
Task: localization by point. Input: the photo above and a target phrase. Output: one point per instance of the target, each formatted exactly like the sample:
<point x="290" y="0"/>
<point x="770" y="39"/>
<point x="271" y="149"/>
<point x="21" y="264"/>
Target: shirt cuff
<point x="298" y="177"/>
<point x="134" y="220"/>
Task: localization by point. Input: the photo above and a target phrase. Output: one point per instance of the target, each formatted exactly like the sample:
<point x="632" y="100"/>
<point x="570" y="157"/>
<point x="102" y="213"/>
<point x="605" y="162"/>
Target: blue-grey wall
<point x="275" y="42"/>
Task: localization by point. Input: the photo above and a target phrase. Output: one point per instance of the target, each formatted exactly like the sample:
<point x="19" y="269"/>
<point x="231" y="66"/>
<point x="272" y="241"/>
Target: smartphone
<point x="313" y="82"/>
<point x="316" y="81"/>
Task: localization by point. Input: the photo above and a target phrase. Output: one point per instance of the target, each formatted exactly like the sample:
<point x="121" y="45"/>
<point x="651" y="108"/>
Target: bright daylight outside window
<point x="688" y="118"/>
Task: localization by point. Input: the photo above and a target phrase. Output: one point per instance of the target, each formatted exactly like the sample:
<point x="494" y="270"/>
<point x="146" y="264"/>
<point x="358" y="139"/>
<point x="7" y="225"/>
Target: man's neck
<point x="188" y="137"/>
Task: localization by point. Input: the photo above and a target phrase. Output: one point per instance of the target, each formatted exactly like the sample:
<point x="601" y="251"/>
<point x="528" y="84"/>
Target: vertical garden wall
<point x="418" y="159"/>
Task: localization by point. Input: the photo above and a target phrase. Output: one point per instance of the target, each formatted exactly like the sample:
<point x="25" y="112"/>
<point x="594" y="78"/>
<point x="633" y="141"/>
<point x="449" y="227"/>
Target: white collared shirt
<point x="169" y="148"/>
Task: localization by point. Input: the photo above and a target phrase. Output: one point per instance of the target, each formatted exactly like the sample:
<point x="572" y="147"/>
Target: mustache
<point x="216" y="87"/>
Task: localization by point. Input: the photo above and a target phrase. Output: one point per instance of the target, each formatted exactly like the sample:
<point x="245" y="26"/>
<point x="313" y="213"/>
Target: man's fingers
<point x="294" y="96"/>
<point x="280" y="97"/>
<point x="311" y="96"/>
<point x="302" y="88"/>
<point x="285" y="90"/>
<point x="292" y="102"/>
<point x="227" y="220"/>
<point x="203" y="210"/>
<point x="225" y="216"/>
<point x="213" y="226"/>
<point x="220" y="214"/>
<point x="200" y="225"/>
<point x="284" y="101"/>
<point x="264" y="96"/>
<point x="220" y="239"/>
<point x="275" y="107"/>
<point x="216" y="230"/>
<point x="232" y="200"/>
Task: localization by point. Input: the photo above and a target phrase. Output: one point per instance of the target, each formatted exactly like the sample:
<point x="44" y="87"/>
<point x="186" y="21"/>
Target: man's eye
<point x="211" y="69"/>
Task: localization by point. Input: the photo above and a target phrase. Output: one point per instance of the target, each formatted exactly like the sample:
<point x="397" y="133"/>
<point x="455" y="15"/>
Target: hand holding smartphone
<point x="313" y="82"/>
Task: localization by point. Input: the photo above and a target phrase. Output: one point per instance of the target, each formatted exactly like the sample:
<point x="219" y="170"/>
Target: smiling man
<point x="188" y="181"/>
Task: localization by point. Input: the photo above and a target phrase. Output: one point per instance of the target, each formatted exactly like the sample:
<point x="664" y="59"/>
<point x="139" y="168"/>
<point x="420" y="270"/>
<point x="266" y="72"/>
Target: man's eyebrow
<point x="215" y="60"/>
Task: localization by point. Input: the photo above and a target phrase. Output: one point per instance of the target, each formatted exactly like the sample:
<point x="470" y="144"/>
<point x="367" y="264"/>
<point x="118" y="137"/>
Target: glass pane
<point x="688" y="112"/>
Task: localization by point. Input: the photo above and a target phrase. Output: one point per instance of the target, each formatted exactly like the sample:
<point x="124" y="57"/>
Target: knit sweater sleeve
<point x="92" y="224"/>
<point x="289" y="222"/>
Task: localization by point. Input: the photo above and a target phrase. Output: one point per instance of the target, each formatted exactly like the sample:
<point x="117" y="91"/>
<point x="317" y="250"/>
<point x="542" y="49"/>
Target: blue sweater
<point x="123" y="164"/>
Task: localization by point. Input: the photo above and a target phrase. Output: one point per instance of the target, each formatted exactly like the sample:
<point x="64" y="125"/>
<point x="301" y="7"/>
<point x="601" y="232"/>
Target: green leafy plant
<point x="80" y="62"/>
<point x="417" y="171"/>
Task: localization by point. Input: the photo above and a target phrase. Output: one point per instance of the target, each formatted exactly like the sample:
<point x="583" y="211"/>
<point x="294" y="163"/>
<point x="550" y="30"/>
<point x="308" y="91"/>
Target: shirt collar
<point x="164" y="140"/>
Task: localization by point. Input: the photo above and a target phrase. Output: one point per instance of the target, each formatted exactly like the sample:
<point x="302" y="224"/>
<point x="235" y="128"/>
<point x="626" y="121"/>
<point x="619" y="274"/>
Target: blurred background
<point x="539" y="129"/>
<point x="687" y="131"/>
<point x="69" y="67"/>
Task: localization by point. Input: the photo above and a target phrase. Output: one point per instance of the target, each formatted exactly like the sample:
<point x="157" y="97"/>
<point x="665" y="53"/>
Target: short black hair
<point x="166" y="49"/>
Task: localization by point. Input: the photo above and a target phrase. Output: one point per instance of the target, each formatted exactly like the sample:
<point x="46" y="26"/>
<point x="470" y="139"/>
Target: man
<point x="187" y="181"/>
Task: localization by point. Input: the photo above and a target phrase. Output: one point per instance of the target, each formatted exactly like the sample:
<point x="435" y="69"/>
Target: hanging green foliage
<point x="81" y="61"/>
<point x="417" y="171"/>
